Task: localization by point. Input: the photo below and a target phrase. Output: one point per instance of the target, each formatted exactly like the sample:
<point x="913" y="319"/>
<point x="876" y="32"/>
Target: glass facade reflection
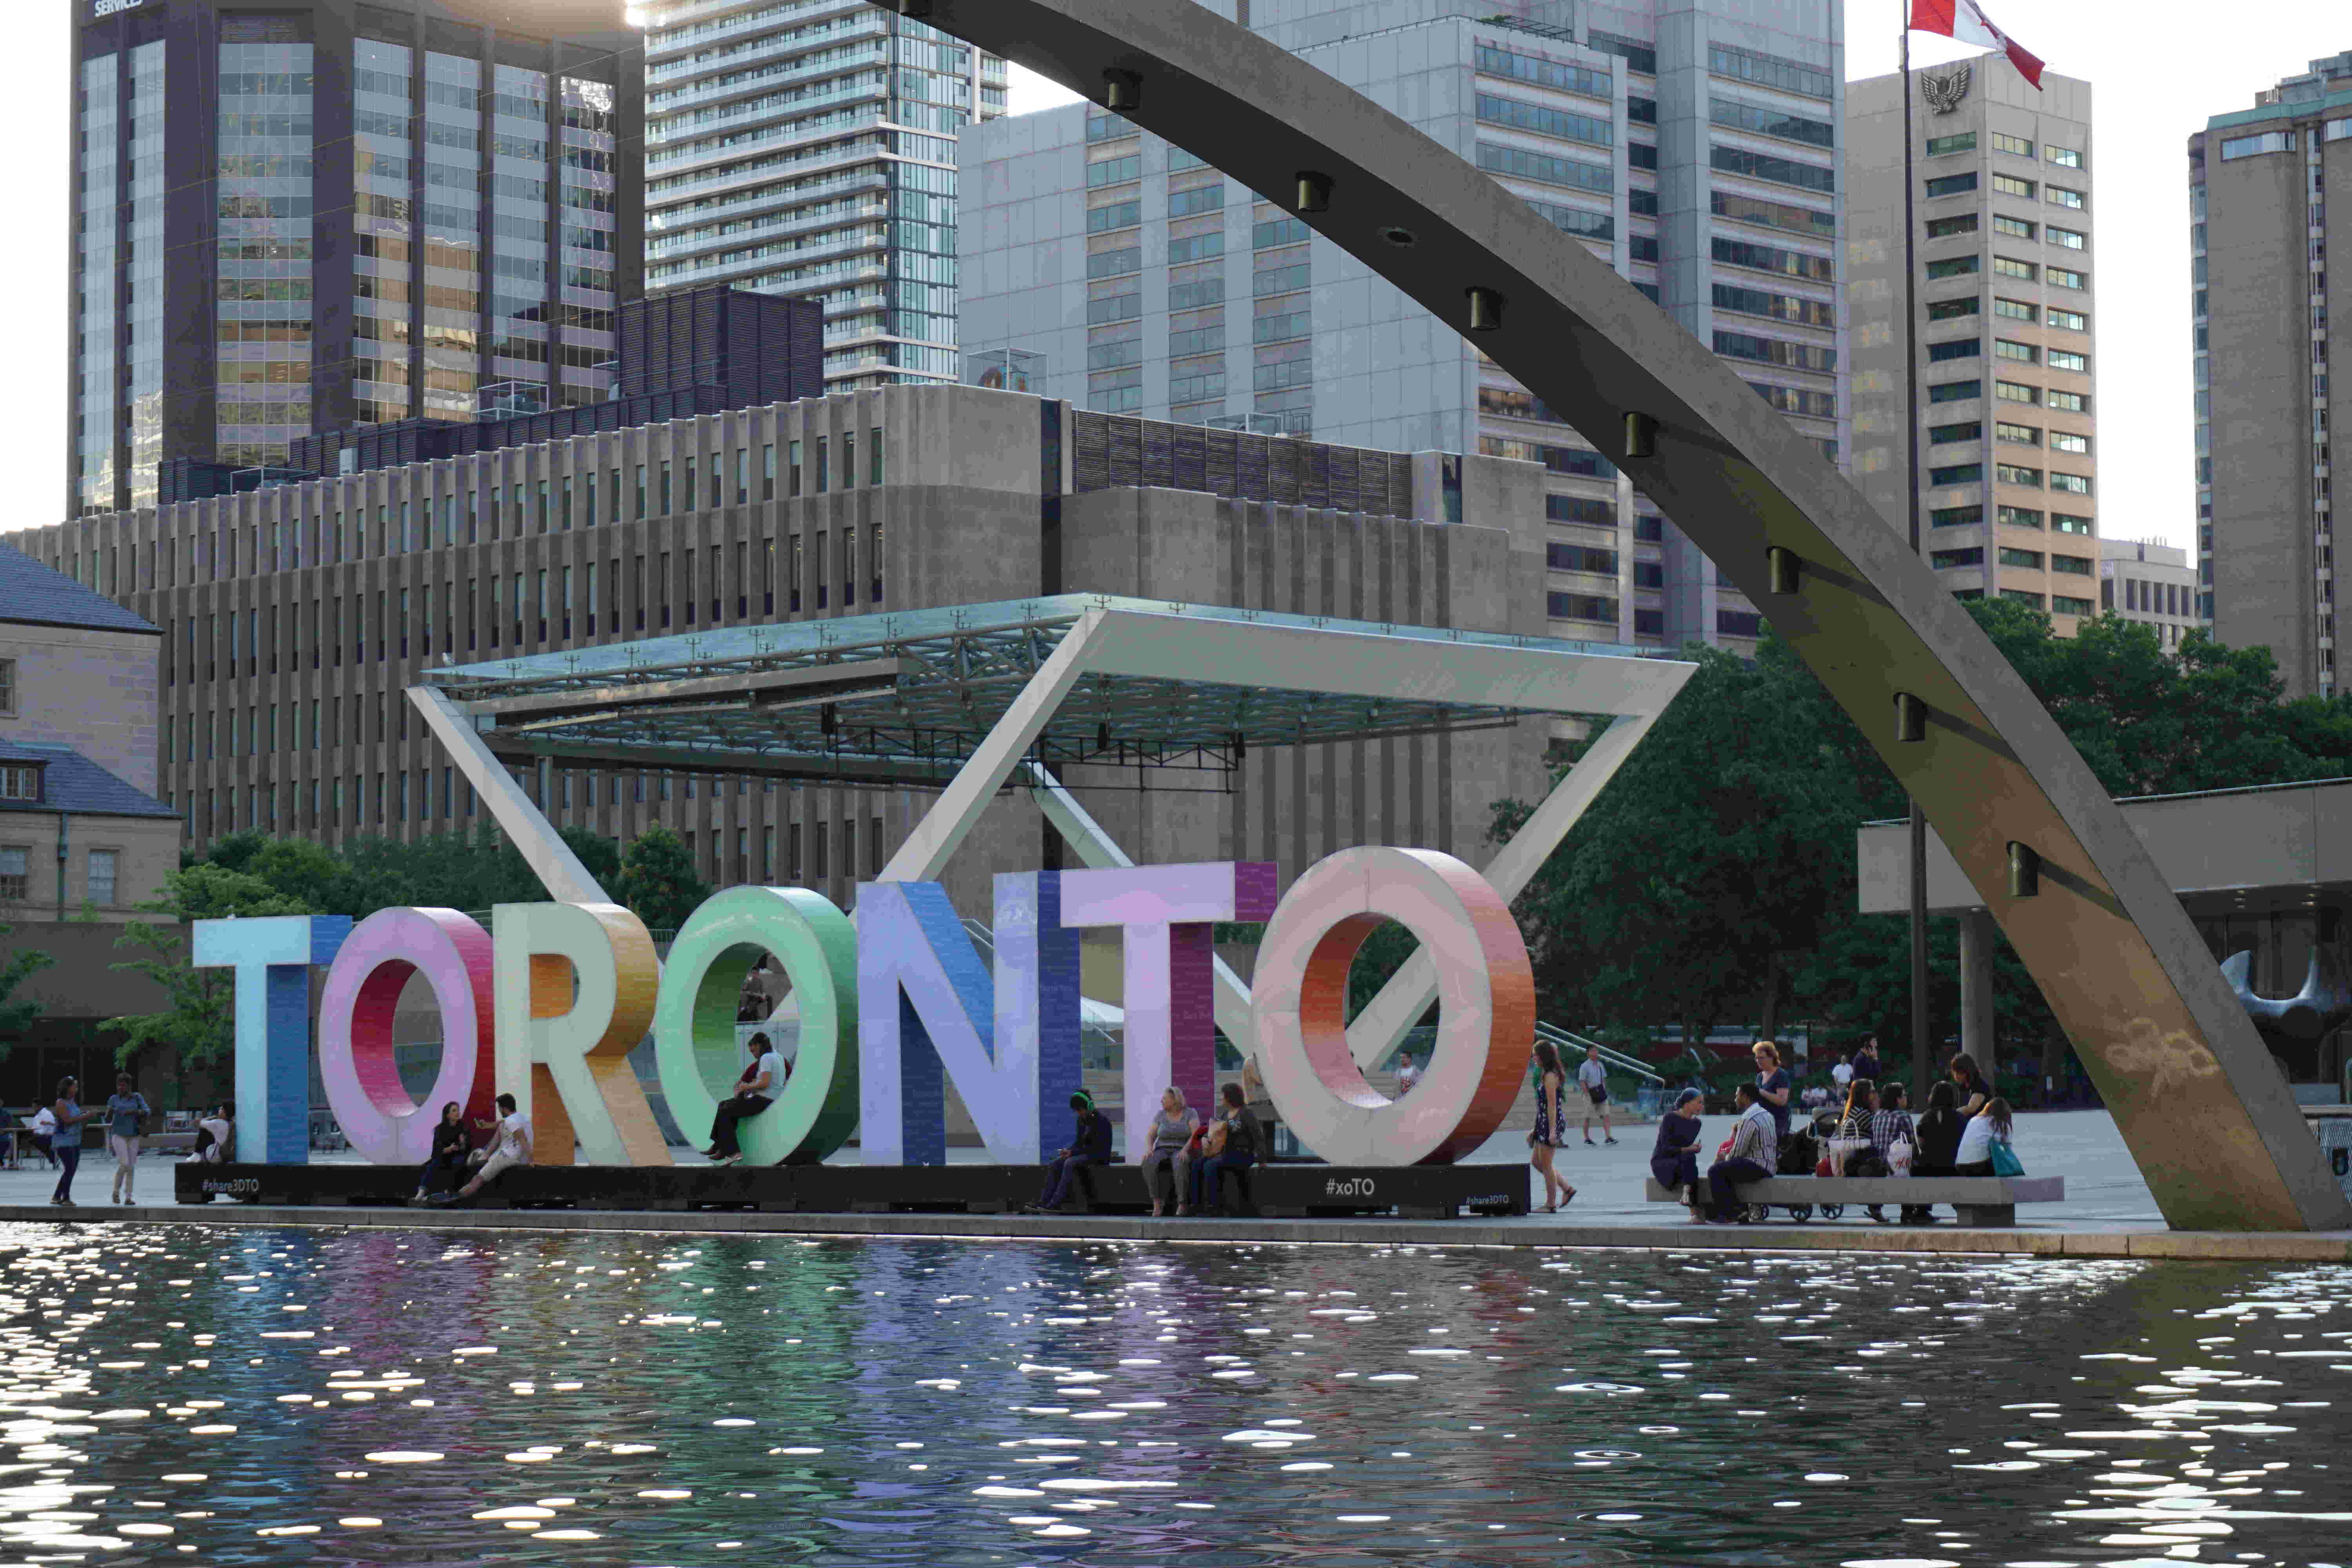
<point x="96" y="197"/>
<point x="262" y="386"/>
<point x="144" y="310"/>
<point x="383" y="230"/>
<point x="452" y="222"/>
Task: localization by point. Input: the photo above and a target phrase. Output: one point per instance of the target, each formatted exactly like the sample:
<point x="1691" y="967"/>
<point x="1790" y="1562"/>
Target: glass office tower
<point x="331" y="213"/>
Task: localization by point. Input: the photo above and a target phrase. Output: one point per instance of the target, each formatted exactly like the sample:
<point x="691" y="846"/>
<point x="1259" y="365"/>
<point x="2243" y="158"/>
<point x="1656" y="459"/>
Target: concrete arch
<point x="2206" y="1111"/>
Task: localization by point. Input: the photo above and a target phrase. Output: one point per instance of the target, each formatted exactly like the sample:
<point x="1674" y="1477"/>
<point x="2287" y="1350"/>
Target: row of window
<point x="2011" y="517"/>
<point x="2011" y="392"/>
<point x="2020" y="146"/>
<point x="2009" y="349"/>
<point x="100" y="868"/>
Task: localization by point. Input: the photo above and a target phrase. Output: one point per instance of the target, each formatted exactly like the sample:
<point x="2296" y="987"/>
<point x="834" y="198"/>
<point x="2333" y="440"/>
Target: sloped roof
<point x="75" y="783"/>
<point x="35" y="595"/>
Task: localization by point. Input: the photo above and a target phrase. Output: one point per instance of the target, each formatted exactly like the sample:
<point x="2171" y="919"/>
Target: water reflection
<point x="238" y="1396"/>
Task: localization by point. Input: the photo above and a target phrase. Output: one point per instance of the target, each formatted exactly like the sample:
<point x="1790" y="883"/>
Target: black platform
<point x="1280" y="1191"/>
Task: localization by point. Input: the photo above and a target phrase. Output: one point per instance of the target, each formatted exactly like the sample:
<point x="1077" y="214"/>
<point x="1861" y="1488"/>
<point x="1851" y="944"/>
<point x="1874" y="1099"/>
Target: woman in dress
<point x="1674" y="1160"/>
<point x="1551" y="1121"/>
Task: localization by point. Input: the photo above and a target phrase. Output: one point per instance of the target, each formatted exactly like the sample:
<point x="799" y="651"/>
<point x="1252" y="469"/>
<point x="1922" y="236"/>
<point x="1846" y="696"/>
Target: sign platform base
<point x="1276" y="1191"/>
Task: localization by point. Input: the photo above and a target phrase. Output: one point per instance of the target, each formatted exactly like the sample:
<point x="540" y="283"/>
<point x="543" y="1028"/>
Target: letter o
<point x="1486" y="1007"/>
<point x="355" y="1022"/>
<point x="693" y="1019"/>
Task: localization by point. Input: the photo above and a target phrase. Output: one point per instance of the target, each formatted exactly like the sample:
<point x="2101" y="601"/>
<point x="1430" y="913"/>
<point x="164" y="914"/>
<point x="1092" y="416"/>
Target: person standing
<point x="126" y="1123"/>
<point x="66" y="1141"/>
<point x="1773" y="1086"/>
<point x="1551" y="1125"/>
<point x="1593" y="1078"/>
<point x="1968" y="1085"/>
<point x="756" y="1090"/>
<point x="1408" y="1074"/>
<point x="1674" y="1160"/>
<point x="1865" y="1061"/>
<point x="512" y="1149"/>
<point x="1841" y="1075"/>
<point x="1755" y="1149"/>
<point x="1166" y="1153"/>
<point x="1089" y="1146"/>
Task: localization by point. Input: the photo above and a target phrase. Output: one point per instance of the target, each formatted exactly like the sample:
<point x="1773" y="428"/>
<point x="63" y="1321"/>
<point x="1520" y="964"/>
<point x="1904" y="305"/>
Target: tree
<point x="197" y="1027"/>
<point x="657" y="880"/>
<point x="16" y="1018"/>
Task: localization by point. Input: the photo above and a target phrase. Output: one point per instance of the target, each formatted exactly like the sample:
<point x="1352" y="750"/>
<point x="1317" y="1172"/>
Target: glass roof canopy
<point x="903" y="697"/>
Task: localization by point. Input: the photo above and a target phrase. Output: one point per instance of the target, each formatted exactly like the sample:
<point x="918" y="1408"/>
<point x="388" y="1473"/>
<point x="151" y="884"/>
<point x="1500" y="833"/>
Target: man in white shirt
<point x="1841" y="1075"/>
<point x="216" y="1135"/>
<point x="1594" y="1078"/>
<point x="761" y="1083"/>
<point x="1408" y="1073"/>
<point x="513" y="1148"/>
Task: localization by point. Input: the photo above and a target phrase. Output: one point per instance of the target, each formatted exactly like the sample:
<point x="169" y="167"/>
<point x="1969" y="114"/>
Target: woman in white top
<point x="1975" y="1156"/>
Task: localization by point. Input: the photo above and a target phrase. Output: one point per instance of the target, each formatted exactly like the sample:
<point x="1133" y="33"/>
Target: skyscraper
<point x="329" y="213"/>
<point x="2267" y="265"/>
<point x="2000" y="306"/>
<point x="1694" y="148"/>
<point x="811" y="148"/>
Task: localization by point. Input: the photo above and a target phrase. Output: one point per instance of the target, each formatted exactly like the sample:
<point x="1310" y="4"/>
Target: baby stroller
<point x="1802" y="1153"/>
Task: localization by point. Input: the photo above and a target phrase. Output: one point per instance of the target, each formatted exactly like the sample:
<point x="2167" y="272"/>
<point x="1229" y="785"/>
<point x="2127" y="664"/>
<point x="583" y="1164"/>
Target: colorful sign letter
<point x="271" y="959"/>
<point x="1486" y="1007"/>
<point x="565" y="1057"/>
<point x="452" y="952"/>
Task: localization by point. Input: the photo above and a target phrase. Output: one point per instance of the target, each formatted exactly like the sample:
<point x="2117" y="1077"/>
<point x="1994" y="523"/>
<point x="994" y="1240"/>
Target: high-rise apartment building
<point x="327" y="213"/>
<point x="2150" y="584"/>
<point x="2265" y="252"/>
<point x="809" y="147"/>
<point x="2000" y="305"/>
<point x="1694" y="148"/>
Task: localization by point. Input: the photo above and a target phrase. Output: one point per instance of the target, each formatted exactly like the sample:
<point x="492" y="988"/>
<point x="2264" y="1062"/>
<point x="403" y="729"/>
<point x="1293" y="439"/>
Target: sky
<point x="2158" y="71"/>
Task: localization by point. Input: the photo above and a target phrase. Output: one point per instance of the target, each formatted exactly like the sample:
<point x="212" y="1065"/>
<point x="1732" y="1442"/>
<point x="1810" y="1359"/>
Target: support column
<point x="1977" y="1011"/>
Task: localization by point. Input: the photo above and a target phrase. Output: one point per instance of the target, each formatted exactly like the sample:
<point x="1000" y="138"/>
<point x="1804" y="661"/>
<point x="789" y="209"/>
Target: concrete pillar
<point x="1977" y="1021"/>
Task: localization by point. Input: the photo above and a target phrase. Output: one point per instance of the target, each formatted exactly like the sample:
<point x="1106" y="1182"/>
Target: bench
<point x="1980" y="1200"/>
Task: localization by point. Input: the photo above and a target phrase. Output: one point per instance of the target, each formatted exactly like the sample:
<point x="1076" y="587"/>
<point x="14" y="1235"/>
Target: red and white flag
<point x="1966" y="21"/>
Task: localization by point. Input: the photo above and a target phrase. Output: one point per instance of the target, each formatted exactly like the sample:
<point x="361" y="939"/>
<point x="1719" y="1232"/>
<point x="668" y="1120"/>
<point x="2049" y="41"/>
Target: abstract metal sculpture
<point x="2195" y="1093"/>
<point x="2325" y="1003"/>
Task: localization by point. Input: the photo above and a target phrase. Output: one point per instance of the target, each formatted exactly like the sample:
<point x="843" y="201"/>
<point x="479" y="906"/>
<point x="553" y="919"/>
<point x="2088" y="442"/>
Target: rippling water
<point x="217" y="1395"/>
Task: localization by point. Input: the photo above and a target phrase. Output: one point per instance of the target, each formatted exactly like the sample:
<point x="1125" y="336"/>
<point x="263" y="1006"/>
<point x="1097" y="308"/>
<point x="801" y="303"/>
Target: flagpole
<point x="1920" y="1032"/>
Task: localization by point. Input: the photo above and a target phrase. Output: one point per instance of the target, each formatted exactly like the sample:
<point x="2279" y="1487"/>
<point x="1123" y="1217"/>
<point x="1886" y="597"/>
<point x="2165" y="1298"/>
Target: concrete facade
<point x="2151" y="583"/>
<point x="92" y="688"/>
<point x="295" y="617"/>
<point x="2267" y="265"/>
<point x="1693" y="150"/>
<point x="2004" y="305"/>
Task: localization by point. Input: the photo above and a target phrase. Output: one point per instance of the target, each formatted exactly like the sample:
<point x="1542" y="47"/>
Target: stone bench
<point x="1980" y="1200"/>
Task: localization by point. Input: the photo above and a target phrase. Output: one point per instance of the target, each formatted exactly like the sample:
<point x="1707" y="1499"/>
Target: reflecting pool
<point x="228" y="1395"/>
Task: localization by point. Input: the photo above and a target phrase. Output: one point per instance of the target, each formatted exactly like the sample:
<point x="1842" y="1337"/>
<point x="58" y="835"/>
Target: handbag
<point x="2005" y="1162"/>
<point x="1900" y="1155"/>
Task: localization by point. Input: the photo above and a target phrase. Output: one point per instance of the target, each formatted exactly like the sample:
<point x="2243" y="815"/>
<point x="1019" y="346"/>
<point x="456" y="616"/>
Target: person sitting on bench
<point x="1230" y="1144"/>
<point x="760" y="1086"/>
<point x="1754" y="1148"/>
<point x="513" y="1148"/>
<point x="1166" y="1152"/>
<point x="1089" y="1146"/>
<point x="450" y="1148"/>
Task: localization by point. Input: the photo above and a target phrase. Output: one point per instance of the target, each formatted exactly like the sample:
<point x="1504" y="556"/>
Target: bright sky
<point x="2136" y="54"/>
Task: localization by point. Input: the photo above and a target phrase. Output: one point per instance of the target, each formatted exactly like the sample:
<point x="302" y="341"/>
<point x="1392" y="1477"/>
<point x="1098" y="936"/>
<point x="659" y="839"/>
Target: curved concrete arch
<point x="2206" y="1111"/>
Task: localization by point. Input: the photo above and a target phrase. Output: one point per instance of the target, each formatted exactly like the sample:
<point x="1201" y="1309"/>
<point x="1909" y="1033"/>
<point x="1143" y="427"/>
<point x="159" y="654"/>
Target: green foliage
<point x="657" y="880"/>
<point x="197" y="1026"/>
<point x="16" y="1017"/>
<point x="1714" y="879"/>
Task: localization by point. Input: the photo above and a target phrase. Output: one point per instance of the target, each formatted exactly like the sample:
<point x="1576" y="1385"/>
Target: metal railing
<point x="1567" y="1045"/>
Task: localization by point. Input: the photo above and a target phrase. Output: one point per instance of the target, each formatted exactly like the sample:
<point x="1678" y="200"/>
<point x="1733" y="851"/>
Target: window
<point x="1742" y="209"/>
<point x="2063" y="157"/>
<point x="7" y="686"/>
<point x="2072" y="484"/>
<point x="1779" y="171"/>
<point x="1772" y="351"/>
<point x="1116" y="216"/>
<point x="1581" y="558"/>
<point x="1941" y="146"/>
<point x="2015" y="310"/>
<point x="2023" y="596"/>
<point x="1199" y="199"/>
<point x="2011" y="185"/>
<point x="2010" y="266"/>
<point x="1780" y="307"/>
<point x="2068" y="321"/>
<point x="2067" y="522"/>
<point x="1956" y="516"/>
<point x="1944" y="435"/>
<point x="1528" y="165"/>
<point x="1542" y="120"/>
<point x="1581" y="509"/>
<point x="1952" y="184"/>
<point x="2018" y="517"/>
<point x="2068" y="237"/>
<point x="1767" y="121"/>
<point x="1972" y="556"/>
<point x="1738" y="623"/>
<point x="2011" y="474"/>
<point x="1951" y="310"/>
<point x="2014" y="228"/>
<point x="1959" y="348"/>
<point x="2025" y="353"/>
<point x="2067" y="359"/>
<point x="1581" y="607"/>
<point x="16" y="876"/>
<point x="2062" y="278"/>
<point x="2072" y="565"/>
<point x="1956" y="474"/>
<point x="2070" y="402"/>
<point x="1115" y="171"/>
<point x="20" y="782"/>
<point x="1955" y="391"/>
<point x="2067" y="441"/>
<point x="2059" y="196"/>
<point x="1947" y="228"/>
<point x="1952" y="266"/>
<point x="1493" y="60"/>
<point x="2030" y="559"/>
<point x="1111" y="263"/>
<point x="2065" y="604"/>
<point x="2237" y="147"/>
<point x="100" y="887"/>
<point x="1765" y="70"/>
<point x="2019" y="145"/>
<point x="2020" y="435"/>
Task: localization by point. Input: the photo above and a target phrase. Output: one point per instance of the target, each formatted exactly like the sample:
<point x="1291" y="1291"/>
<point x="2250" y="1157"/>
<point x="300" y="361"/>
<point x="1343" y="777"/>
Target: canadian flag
<point x="1966" y="20"/>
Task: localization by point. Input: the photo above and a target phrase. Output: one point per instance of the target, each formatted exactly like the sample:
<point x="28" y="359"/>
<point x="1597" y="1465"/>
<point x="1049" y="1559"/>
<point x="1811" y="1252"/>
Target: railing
<point x="1568" y="1044"/>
